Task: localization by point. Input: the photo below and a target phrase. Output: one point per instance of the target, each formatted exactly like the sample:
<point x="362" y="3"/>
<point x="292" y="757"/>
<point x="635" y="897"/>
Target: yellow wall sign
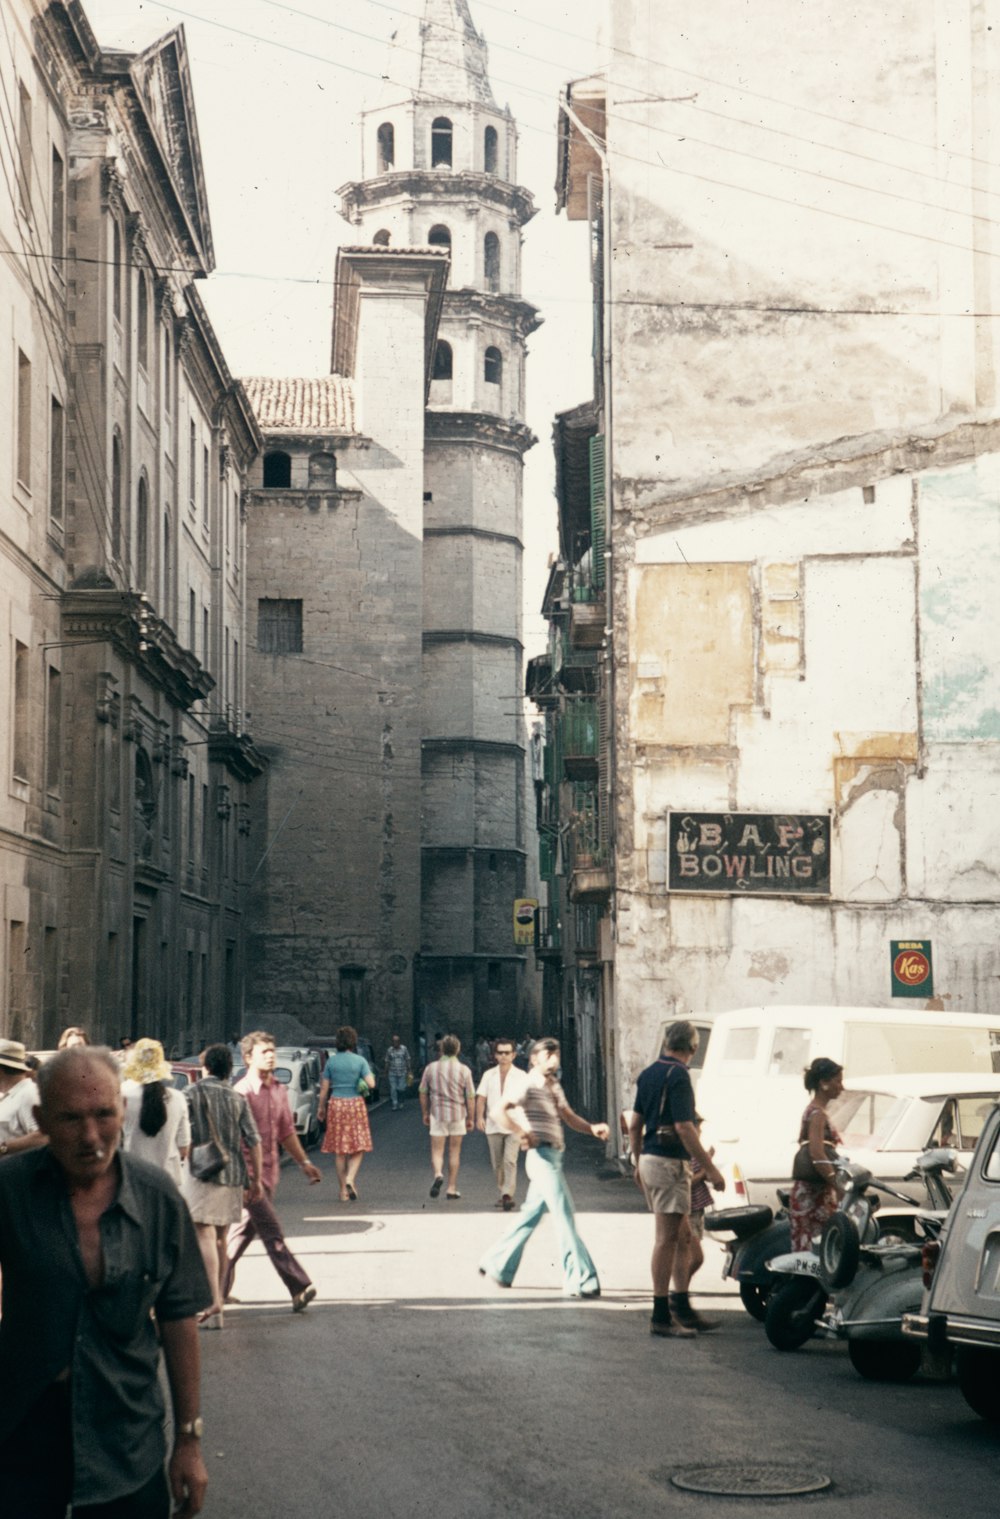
<point x="524" y="919"/>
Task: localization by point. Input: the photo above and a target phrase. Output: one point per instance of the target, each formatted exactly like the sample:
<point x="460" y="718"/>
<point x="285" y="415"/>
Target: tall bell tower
<point x="440" y="169"/>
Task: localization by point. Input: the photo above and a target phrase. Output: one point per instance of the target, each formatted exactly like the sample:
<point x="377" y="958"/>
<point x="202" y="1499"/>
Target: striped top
<point x="449" y="1088"/>
<point x="541" y="1101"/>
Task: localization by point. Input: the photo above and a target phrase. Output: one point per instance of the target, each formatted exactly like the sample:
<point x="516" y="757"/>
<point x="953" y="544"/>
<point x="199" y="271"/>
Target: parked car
<point x="961" y="1301"/>
<point x="886" y="1122"/>
<point x="298" y="1070"/>
<point x="750" y="1091"/>
<point x="185" y="1073"/>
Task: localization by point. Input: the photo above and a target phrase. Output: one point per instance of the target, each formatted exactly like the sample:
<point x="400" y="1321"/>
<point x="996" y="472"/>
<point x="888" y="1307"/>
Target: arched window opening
<point x="277" y="470"/>
<point x="142" y="323"/>
<point x="323" y="471"/>
<point x="382" y="238"/>
<point x="166" y="370"/>
<point x="116" y="496"/>
<point x="490" y="144"/>
<point x="441" y="143"/>
<point x="439" y="237"/>
<point x="386" y="147"/>
<point x="442" y="362"/>
<point x="142" y="534"/>
<point x="493" y="366"/>
<point x="116" y="255"/>
<point x="491" y="262"/>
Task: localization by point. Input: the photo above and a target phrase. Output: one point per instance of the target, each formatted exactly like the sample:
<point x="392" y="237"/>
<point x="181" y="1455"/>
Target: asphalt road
<point x="413" y="1388"/>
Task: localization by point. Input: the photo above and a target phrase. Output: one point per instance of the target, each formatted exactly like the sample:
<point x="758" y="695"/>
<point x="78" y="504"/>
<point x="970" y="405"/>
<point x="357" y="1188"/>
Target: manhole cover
<point x="765" y="1480"/>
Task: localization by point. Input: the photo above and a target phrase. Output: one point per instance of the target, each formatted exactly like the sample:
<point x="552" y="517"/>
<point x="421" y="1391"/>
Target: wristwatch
<point x="194" y="1427"/>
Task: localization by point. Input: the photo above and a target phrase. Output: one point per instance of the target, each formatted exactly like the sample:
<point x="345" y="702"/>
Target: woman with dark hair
<point x="220" y="1113"/>
<point x="348" y="1136"/>
<point x="156" y="1116"/>
<point x="812" y="1202"/>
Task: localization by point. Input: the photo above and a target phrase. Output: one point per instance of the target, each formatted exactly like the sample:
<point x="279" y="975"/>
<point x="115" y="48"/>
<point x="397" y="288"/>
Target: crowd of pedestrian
<point x="126" y="1206"/>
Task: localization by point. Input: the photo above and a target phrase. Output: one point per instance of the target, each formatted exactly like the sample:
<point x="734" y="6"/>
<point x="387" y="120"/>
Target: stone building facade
<point x="412" y="572"/>
<point x="796" y="388"/>
<point x="126" y="441"/>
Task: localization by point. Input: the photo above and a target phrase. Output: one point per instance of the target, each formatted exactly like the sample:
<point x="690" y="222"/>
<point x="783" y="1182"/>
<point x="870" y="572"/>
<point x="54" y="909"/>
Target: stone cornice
<point x="125" y="620"/>
<point x="478" y="427"/>
<point x="467" y="635"/>
<point x="520" y="316"/>
<point x="440" y="186"/>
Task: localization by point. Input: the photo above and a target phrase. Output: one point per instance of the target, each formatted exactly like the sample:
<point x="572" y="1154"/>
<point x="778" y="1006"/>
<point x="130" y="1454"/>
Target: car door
<point x="967" y="1279"/>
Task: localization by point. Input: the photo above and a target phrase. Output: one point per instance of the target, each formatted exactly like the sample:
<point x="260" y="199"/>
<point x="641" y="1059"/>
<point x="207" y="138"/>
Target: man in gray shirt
<point x="93" y="1243"/>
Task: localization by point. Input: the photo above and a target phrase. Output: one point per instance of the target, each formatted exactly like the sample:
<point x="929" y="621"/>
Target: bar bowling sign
<point x="763" y="853"/>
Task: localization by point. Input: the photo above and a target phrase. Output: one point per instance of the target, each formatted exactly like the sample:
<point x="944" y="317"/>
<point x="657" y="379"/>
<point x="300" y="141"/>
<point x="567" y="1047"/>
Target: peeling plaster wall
<point x="853" y="675"/>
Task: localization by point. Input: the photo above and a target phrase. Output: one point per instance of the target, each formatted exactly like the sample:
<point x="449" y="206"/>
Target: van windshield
<point x="917" y="1047"/>
<point x="865" y="1120"/>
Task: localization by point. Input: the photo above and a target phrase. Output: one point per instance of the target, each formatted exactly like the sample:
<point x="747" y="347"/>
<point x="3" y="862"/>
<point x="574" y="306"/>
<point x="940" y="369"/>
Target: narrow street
<point x="413" y="1387"/>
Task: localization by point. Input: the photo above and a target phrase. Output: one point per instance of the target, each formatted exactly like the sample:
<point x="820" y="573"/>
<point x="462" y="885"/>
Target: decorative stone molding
<point x="137" y="238"/>
<point x="124" y="620"/>
<point x="113" y="188"/>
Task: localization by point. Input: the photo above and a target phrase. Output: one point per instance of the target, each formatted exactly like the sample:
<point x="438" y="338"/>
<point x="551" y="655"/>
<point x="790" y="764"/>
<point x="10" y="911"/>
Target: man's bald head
<point x="80" y="1109"/>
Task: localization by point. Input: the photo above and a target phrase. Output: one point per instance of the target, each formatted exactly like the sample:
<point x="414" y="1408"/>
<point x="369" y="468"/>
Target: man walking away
<point x="268" y="1103"/>
<point x="447" y="1102"/>
<point x="544" y="1106"/>
<point x="501" y="1082"/>
<point x="663" y="1133"/>
<point x="101" y="1269"/>
<point x="398" y="1070"/>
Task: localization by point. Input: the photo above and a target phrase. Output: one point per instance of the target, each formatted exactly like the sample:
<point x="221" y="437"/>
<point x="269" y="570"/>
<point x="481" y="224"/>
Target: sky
<point x="279" y="89"/>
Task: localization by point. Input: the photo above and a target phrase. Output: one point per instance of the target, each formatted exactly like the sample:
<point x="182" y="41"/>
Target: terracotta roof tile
<point x="325" y="404"/>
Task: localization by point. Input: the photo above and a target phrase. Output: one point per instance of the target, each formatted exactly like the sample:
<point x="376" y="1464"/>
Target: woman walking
<point x="348" y="1136"/>
<point x="219" y="1113"/>
<point x="812" y="1202"/>
<point x="156" y="1127"/>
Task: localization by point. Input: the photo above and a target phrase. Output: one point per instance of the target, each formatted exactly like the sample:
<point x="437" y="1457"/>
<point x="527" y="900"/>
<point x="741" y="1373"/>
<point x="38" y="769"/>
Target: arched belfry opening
<point x="490" y="150"/>
<point x="382" y="238"/>
<point x="439" y="236"/>
<point x="491" y="262"/>
<point x="386" y="147"/>
<point x="277" y="470"/>
<point x="493" y="366"/>
<point x="442" y="143"/>
<point x="443" y="361"/>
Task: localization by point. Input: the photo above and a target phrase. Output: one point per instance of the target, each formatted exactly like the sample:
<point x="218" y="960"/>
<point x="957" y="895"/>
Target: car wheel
<point x="884" y="1360"/>
<point x="978" y="1372"/>
<point x="754" y="1298"/>
<point x="839" y="1251"/>
<point x="792" y="1311"/>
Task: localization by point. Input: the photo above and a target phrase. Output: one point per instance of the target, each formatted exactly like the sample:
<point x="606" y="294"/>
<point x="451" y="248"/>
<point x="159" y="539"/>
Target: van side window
<point x="741" y="1044"/>
<point x="789" y="1051"/>
<point x="991" y="1167"/>
<point x="917" y="1047"/>
<point x="704" y="1035"/>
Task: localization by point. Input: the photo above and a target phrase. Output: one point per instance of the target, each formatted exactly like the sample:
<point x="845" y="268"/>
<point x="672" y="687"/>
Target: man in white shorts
<point x="447" y="1102"/>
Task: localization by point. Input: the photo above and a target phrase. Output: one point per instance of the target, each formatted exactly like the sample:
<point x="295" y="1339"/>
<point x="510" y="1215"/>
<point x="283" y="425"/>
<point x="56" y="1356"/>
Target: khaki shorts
<point x="440" y="1128"/>
<point x="666" y="1183"/>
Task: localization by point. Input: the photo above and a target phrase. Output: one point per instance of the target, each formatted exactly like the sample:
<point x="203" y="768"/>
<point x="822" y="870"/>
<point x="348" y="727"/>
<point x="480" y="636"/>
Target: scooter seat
<point x="739" y="1221"/>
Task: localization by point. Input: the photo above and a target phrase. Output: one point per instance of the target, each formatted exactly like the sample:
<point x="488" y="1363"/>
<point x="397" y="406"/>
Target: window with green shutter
<point x="598" y="509"/>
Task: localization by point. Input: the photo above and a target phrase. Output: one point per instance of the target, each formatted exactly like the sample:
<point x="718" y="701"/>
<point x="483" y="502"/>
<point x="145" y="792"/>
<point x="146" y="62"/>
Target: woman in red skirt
<point x="348" y="1137"/>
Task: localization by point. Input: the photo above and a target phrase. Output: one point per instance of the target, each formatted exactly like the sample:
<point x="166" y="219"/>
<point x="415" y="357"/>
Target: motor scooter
<point x="796" y="1305"/>
<point x="757" y="1235"/>
<point x="878" y="1283"/>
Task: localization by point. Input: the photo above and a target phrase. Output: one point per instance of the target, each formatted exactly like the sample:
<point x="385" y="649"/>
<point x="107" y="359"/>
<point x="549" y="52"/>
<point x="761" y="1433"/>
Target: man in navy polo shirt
<point x="663" y="1135"/>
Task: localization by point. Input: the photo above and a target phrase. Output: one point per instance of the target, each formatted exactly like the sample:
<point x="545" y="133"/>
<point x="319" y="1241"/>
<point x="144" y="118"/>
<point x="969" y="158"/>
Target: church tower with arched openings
<point x="440" y="169"/>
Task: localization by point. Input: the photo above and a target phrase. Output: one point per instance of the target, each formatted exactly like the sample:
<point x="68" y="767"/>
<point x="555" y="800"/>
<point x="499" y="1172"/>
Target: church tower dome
<point x="439" y="166"/>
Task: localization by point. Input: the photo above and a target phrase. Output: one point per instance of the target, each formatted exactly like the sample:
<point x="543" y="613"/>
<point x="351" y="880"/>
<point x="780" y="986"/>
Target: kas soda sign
<point x="912" y="975"/>
<point x="760" y="852"/>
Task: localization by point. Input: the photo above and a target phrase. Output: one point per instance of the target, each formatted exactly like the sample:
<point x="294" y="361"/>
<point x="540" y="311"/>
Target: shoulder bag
<point x="804" y="1167"/>
<point x="209" y="1159"/>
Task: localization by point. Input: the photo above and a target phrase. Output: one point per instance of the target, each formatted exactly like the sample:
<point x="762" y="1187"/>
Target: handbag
<point x="208" y="1159"/>
<point x="362" y="1087"/>
<point x="804" y="1167"/>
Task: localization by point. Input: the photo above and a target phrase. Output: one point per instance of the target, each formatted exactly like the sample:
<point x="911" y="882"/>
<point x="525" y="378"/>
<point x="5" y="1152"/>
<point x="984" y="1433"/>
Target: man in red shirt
<point x="269" y="1105"/>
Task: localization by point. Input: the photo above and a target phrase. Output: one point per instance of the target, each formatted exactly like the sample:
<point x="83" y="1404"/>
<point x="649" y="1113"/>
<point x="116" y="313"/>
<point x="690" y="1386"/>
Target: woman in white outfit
<point x="157" y="1124"/>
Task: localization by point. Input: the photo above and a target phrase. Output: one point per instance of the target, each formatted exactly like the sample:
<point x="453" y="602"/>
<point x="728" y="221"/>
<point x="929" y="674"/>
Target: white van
<point x="750" y="1092"/>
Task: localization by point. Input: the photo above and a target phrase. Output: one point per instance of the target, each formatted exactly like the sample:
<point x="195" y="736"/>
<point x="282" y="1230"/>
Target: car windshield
<point x="865" y="1120"/>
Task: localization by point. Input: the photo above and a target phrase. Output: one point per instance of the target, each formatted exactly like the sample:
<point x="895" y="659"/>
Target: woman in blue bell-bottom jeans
<point x="544" y="1105"/>
<point x="547" y="1193"/>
